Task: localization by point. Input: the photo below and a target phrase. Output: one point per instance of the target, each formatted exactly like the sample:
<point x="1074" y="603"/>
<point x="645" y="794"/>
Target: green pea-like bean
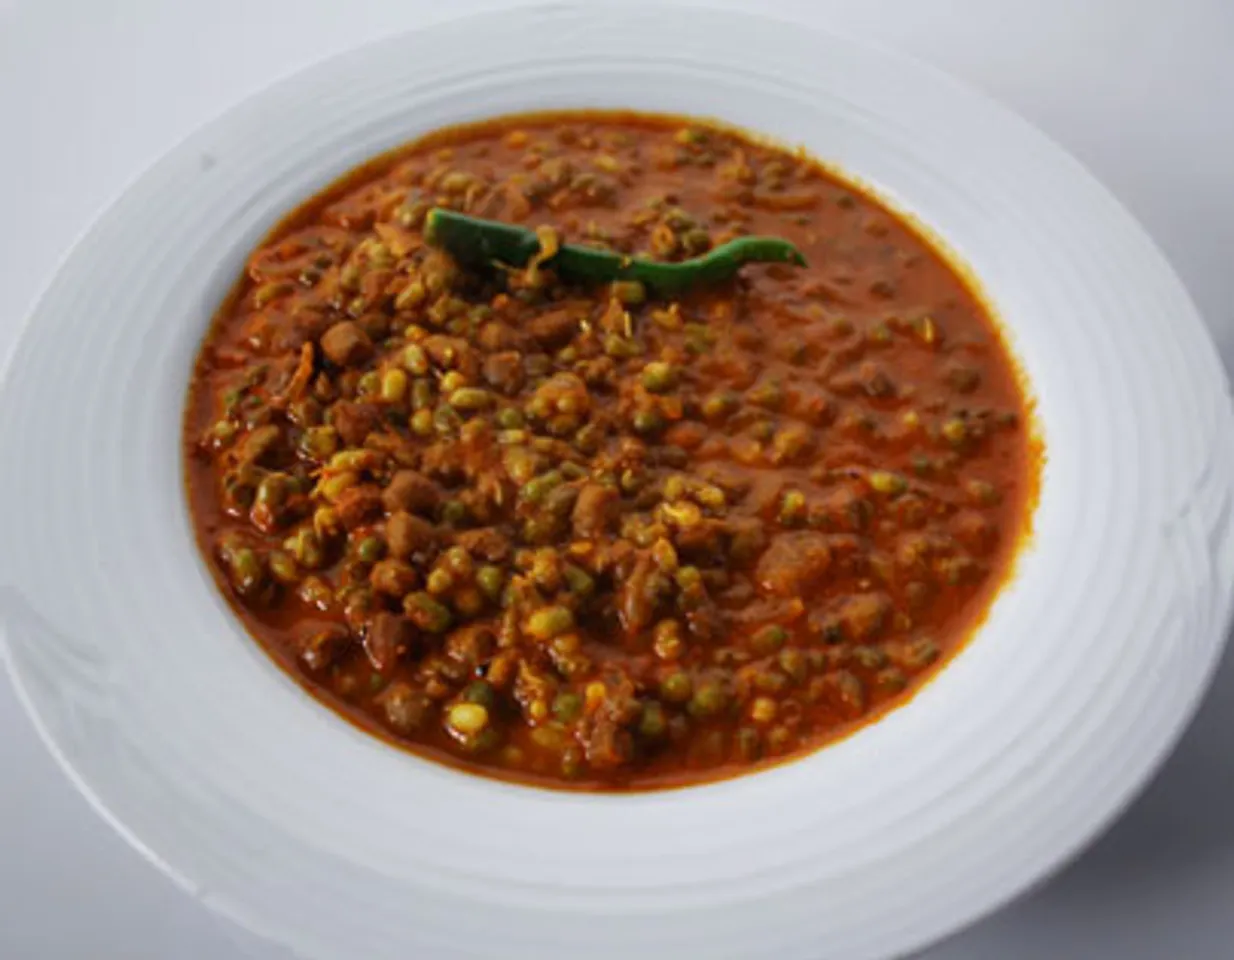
<point x="446" y="419"/>
<point x="421" y="394"/>
<point x="369" y="384"/>
<point x="370" y="549"/>
<point x="653" y="724"/>
<point x="954" y="431"/>
<point x="630" y="293"/>
<point x="411" y="296"/>
<point x="422" y="423"/>
<point x="467" y="720"/>
<point x="510" y="418"/>
<point x="659" y="377"/>
<point x="536" y="489"/>
<point x="581" y="583"/>
<point x="273" y="490"/>
<point x="709" y="699"/>
<point x="749" y="745"/>
<point x="491" y="580"/>
<point x="454" y="513"/>
<point x="427" y="613"/>
<point x="768" y="639"/>
<point x="793" y="508"/>
<point x="768" y="394"/>
<point x="676" y="687"/>
<point x="567" y="706"/>
<point x="471" y="399"/>
<point x="393" y="386"/>
<point x="549" y="622"/>
<point x="983" y="493"/>
<point x="320" y="443"/>
<point x="452" y="380"/>
<point x="439" y="582"/>
<point x="571" y="762"/>
<point x="480" y="692"/>
<point x="886" y="482"/>
<point x="247" y="571"/>
<point x="283" y="567"/>
<point x="306" y="547"/>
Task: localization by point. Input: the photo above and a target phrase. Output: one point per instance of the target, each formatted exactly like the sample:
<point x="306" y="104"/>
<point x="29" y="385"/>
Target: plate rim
<point x="288" y="82"/>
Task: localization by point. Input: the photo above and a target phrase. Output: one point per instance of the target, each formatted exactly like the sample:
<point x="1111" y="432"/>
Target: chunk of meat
<point x="764" y="493"/>
<point x="356" y="505"/>
<point x="746" y="538"/>
<point x="608" y="745"/>
<point x="504" y="372"/>
<point x="687" y="435"/>
<point x="598" y="373"/>
<point x="498" y="336"/>
<point x="562" y="393"/>
<point x="914" y="551"/>
<point x="794" y="562"/>
<point x="471" y="645"/>
<point x="864" y="614"/>
<point x="701" y="541"/>
<point x="705" y="622"/>
<point x="345" y="344"/>
<point x="485" y="500"/>
<point x="615" y="557"/>
<point x="452" y="353"/>
<point x="594" y="509"/>
<point x="394" y="578"/>
<point x="486" y="543"/>
<point x="974" y="531"/>
<point x="322" y="646"/>
<point x="841" y="508"/>
<point x="297" y="379"/>
<point x="260" y="330"/>
<point x="607" y="740"/>
<point x="354" y="421"/>
<point x="406" y="708"/>
<point x="842" y="690"/>
<point x="532" y="685"/>
<point x="409" y="536"/>
<point x="441" y="273"/>
<point x="257" y="444"/>
<point x="850" y="555"/>
<point x="735" y="481"/>
<point x="389" y="637"/>
<point x="358" y="609"/>
<point x="398" y="448"/>
<point x="553" y="173"/>
<point x="411" y="491"/>
<point x="445" y="461"/>
<point x="636" y="602"/>
<point x="376" y="325"/>
<point x="554" y="328"/>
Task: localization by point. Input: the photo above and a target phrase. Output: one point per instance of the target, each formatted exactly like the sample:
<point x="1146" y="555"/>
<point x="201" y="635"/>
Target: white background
<point x="91" y="92"/>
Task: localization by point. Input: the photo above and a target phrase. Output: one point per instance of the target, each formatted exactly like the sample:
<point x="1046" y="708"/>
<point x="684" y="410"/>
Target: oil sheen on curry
<point x="592" y="534"/>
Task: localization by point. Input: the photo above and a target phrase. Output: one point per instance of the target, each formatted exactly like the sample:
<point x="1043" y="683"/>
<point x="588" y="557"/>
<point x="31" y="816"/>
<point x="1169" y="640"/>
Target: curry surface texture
<point x="586" y="537"/>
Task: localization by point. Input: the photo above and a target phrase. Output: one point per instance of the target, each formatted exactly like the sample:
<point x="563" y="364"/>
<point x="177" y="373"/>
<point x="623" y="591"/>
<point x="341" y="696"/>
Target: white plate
<point x="280" y="815"/>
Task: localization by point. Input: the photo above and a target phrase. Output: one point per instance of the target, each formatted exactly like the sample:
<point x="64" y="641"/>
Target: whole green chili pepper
<point x="477" y="242"/>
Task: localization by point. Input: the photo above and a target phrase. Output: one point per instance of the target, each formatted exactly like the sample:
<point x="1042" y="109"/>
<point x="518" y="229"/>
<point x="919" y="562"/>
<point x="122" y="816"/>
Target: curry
<point x="593" y="531"/>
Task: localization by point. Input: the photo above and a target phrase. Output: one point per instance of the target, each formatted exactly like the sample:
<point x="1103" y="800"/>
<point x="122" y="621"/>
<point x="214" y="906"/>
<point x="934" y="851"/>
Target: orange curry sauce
<point x="588" y="537"/>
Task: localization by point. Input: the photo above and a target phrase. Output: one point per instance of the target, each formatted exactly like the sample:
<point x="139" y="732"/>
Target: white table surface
<point x="91" y="92"/>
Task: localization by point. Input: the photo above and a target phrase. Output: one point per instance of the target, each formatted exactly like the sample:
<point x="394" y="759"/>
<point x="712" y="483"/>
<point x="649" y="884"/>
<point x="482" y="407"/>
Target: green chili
<point x="479" y="242"/>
